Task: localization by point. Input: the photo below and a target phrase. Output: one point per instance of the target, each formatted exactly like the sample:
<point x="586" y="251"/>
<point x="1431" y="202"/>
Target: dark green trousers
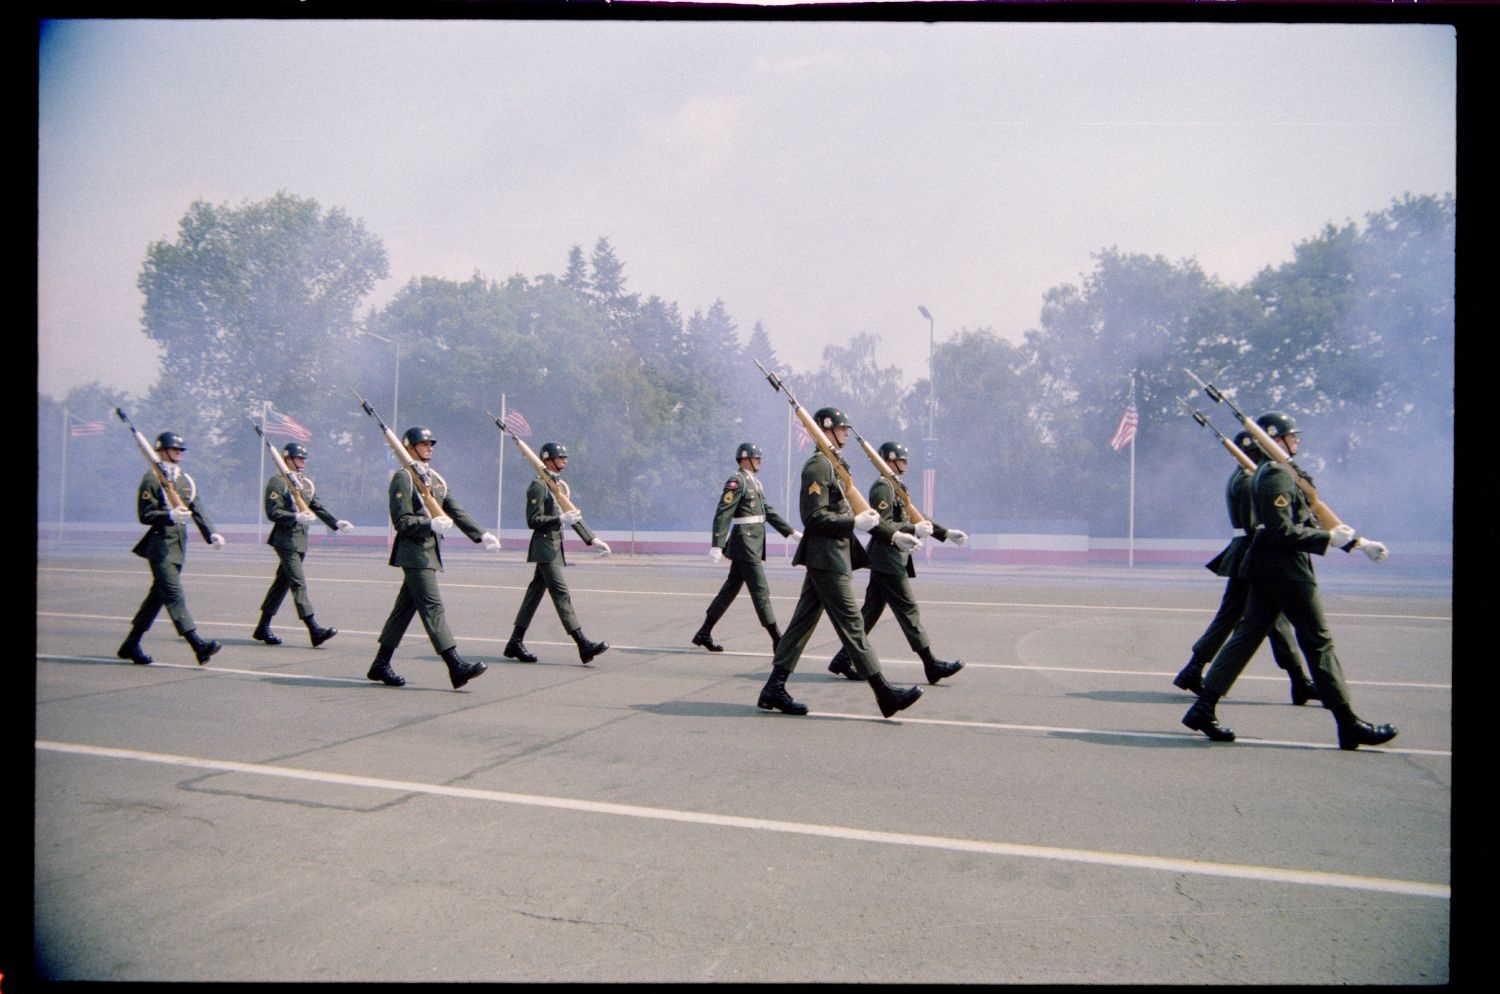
<point x="289" y="577"/>
<point x="419" y="596"/>
<point x="1300" y="603"/>
<point x="166" y="592"/>
<point x="743" y="574"/>
<point x="832" y="592"/>
<point x="894" y="591"/>
<point x="548" y="578"/>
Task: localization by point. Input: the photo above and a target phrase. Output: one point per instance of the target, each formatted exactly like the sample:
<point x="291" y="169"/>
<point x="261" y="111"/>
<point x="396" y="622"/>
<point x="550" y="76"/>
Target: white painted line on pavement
<point x="1267" y="874"/>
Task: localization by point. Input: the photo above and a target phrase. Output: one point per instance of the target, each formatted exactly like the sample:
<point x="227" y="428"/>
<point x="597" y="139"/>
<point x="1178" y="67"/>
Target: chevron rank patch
<point x="884" y="505"/>
<point x="1281" y="501"/>
<point x="814" y="489"/>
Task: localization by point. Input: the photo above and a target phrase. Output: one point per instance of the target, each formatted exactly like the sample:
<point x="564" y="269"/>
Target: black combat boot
<point x="516" y="649"/>
<point x="1190" y="677"/>
<point x="1303" y="689"/>
<point x="843" y="666"/>
<point x="774" y="630"/>
<point x="773" y="696"/>
<point x="1201" y="718"/>
<point x="587" y="650"/>
<point x="1355" y="731"/>
<point x="705" y="637"/>
<point x="889" y="698"/>
<point x="316" y="632"/>
<point x="936" y="668"/>
<point x="201" y="649"/>
<point x="263" y="632"/>
<point x="460" y="670"/>
<point x="131" y="649"/>
<point x="381" y="670"/>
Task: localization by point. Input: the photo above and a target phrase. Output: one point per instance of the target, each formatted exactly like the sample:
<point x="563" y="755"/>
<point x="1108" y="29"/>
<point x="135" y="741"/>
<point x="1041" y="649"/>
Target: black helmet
<point x="830" y="417"/>
<point x="552" y="450"/>
<point x="295" y="450"/>
<point x="894" y="450"/>
<point x="418" y="434"/>
<point x="1245" y="441"/>
<point x="1276" y="424"/>
<point x="170" y="440"/>
<point x="747" y="450"/>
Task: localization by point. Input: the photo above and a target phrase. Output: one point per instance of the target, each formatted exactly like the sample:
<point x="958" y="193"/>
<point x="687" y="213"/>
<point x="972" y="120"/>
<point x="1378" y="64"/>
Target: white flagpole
<point x="265" y="406"/>
<point x="786" y="492"/>
<point x="62" y="483"/>
<point x="500" y="486"/>
<point x="1131" y="512"/>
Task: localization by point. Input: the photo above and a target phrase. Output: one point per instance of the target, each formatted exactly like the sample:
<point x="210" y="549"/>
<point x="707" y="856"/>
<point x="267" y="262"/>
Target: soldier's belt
<point x="754" y="519"/>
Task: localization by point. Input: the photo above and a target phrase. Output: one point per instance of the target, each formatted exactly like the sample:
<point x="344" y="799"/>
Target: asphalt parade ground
<point x="1042" y="817"/>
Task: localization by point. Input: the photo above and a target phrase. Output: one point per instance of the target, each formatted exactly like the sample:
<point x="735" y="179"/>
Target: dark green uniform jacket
<point x="741" y="518"/>
<point x="545" y="522"/>
<point x="1241" y="518"/>
<point x="286" y="531"/>
<point x="1286" y="531"/>
<point x="167" y="540"/>
<point x="416" y="545"/>
<point x="828" y="522"/>
<point x="885" y="555"/>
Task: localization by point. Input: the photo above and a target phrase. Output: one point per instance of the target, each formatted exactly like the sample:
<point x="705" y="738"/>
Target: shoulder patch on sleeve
<point x="733" y="484"/>
<point x="1281" y="501"/>
<point x="728" y="497"/>
<point x="814" y="489"/>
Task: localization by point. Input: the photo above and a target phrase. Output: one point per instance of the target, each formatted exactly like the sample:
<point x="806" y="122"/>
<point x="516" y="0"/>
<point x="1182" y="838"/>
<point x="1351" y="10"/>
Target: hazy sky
<point x="823" y="178"/>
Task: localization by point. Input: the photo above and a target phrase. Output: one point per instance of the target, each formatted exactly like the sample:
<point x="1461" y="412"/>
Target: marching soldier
<point x="289" y="538"/>
<point x="1237" y="591"/>
<point x="165" y="548"/>
<point x="830" y="558"/>
<point x="416" y="552"/>
<point x="1279" y="568"/>
<point x="890" y="568"/>
<point x="739" y="533"/>
<point x="546" y="550"/>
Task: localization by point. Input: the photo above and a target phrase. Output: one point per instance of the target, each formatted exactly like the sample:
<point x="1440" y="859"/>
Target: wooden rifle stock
<point x="286" y="474"/>
<point x="417" y="473"/>
<point x="857" y="502"/>
<point x="884" y="469"/>
<point x="168" y="488"/>
<point x="536" y="463"/>
<point x="1327" y="520"/>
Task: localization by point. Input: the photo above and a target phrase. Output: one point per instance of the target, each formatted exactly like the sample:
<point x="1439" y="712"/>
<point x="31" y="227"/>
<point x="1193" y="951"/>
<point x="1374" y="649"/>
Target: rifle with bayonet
<point x="857" y="501"/>
<point x="419" y="474"/>
<point x="884" y="469"/>
<point x="286" y="474"/>
<point x="1326" y="518"/>
<point x="163" y="477"/>
<point x="1239" y="454"/>
<point x="558" y="494"/>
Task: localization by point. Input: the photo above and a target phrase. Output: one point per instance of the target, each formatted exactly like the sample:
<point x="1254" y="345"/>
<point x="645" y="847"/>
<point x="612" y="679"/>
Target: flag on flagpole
<point x="803" y="438"/>
<point x="1125" y="433"/>
<point x="284" y="426"/>
<point x="517" y="424"/>
<point x="79" y="428"/>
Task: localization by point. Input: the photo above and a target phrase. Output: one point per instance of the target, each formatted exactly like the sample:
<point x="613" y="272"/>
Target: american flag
<point x="1125" y="433"/>
<point x="82" y="429"/>
<point x="803" y="438"/>
<point x="517" y="424"/>
<point x="283" y="426"/>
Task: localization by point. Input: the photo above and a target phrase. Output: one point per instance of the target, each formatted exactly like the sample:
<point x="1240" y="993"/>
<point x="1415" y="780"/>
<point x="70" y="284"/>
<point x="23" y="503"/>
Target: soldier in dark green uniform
<point x="165" y="548"/>
<point x="1279" y="567"/>
<point x="546" y="522"/>
<point x="289" y="538"/>
<point x="890" y="568"/>
<point x="830" y="556"/>
<point x="416" y="552"/>
<point x="739" y="533"/>
<point x="1237" y="591"/>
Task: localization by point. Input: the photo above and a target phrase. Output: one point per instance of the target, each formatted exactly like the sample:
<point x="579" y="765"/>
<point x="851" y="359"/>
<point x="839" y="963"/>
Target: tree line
<point x="261" y="302"/>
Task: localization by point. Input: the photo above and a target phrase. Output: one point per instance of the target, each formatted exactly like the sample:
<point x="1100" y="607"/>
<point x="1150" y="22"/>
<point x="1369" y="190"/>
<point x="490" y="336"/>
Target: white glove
<point x="344" y="526"/>
<point x="442" y="525"/>
<point x="715" y="554"/>
<point x="795" y="536"/>
<point x="306" y="517"/>
<point x="602" y="547"/>
<point x="957" y="537"/>
<point x="491" y="543"/>
<point x="215" y="539"/>
<point x="924" y="529"/>
<point x="867" y="519"/>
<point x="571" y="518"/>
<point x="180" y="514"/>
<point x="1375" y="550"/>
<point x="1341" y="536"/>
<point x="906" y="542"/>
